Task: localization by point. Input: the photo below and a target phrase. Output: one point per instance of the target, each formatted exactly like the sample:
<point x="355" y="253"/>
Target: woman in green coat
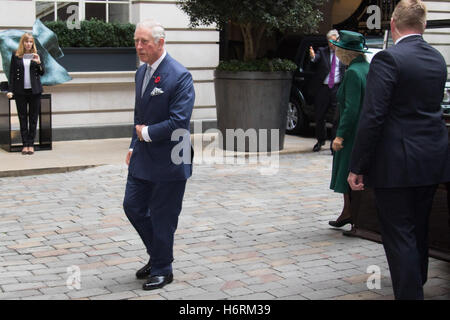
<point x="350" y="51"/>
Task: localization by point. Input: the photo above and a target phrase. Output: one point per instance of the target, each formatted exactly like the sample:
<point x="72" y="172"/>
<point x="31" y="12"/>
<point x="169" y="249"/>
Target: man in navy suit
<point x="401" y="148"/>
<point x="330" y="72"/>
<point x="158" y="167"/>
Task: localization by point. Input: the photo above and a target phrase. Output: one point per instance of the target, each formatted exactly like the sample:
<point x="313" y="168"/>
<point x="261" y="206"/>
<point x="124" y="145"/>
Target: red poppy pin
<point x="158" y="79"/>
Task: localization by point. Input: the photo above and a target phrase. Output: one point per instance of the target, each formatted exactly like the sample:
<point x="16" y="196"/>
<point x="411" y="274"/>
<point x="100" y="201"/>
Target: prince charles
<point x="156" y="183"/>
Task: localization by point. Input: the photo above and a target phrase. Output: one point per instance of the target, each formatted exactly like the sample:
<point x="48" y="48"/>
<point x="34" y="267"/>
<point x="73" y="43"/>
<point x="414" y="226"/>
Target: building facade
<point x="100" y="104"/>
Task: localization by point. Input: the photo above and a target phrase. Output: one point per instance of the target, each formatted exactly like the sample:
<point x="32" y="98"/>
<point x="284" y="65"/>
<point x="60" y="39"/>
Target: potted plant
<point x="96" y="46"/>
<point x="254" y="93"/>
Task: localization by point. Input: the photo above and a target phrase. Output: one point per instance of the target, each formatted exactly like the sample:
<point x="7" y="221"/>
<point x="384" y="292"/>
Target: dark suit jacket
<point x="164" y="114"/>
<point x="402" y="139"/>
<point x="17" y="74"/>
<point x="323" y="66"/>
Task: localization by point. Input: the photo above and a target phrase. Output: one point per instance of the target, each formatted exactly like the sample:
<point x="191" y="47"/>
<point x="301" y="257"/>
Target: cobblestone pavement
<point x="241" y="235"/>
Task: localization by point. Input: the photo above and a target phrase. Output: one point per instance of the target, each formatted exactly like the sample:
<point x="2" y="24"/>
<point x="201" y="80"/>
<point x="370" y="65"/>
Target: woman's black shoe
<point x="341" y="223"/>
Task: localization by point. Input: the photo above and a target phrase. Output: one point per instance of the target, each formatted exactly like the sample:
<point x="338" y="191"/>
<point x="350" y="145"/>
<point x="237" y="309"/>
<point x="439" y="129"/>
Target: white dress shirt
<point x="27" y="78"/>
<point x="408" y="35"/>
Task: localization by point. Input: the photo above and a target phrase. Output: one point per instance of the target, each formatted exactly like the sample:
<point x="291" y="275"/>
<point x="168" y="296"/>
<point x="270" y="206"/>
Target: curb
<point x="41" y="171"/>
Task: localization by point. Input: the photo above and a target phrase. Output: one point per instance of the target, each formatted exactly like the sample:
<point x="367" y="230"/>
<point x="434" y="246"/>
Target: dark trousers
<point x="325" y="99"/>
<point x="404" y="218"/>
<point x="28" y="106"/>
<point x="153" y="209"/>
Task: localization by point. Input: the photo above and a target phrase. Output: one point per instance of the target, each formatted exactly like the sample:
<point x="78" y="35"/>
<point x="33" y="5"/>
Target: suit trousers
<point x="153" y="209"/>
<point x="404" y="219"/>
<point x="325" y="99"/>
<point x="28" y="106"/>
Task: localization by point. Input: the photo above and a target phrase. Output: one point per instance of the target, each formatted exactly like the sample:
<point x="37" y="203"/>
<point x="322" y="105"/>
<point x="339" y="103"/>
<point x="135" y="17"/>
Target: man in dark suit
<point x="330" y="72"/>
<point x="158" y="167"/>
<point x="401" y="147"/>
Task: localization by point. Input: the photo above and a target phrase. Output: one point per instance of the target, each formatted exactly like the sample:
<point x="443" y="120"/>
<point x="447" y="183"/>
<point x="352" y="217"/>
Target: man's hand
<point x="9" y="95"/>
<point x="312" y="54"/>
<point x="127" y="159"/>
<point x="337" y="144"/>
<point x="139" y="128"/>
<point x="355" y="181"/>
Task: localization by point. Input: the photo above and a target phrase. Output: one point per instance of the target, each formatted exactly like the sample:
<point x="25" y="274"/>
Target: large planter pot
<point x="250" y="103"/>
<point x="99" y="59"/>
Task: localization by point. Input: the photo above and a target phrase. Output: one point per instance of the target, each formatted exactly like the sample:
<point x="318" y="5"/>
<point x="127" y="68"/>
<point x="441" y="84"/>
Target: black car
<point x="301" y="103"/>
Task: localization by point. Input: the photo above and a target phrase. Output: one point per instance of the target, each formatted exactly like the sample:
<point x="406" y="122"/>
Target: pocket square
<point x="156" y="92"/>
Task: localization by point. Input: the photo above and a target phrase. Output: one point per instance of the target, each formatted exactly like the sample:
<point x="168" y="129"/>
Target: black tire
<point x="296" y="121"/>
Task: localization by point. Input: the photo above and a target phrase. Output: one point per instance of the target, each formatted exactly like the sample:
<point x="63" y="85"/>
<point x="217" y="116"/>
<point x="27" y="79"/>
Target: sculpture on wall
<point x="47" y="47"/>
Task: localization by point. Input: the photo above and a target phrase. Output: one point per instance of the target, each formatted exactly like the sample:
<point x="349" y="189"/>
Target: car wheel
<point x="295" y="122"/>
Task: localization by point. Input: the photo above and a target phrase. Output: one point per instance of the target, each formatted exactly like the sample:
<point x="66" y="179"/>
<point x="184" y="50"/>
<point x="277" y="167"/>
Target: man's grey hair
<point x="155" y="27"/>
<point x="331" y="33"/>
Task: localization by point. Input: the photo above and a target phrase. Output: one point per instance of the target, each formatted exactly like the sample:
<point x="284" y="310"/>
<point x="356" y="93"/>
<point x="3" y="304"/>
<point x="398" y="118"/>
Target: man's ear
<point x="161" y="42"/>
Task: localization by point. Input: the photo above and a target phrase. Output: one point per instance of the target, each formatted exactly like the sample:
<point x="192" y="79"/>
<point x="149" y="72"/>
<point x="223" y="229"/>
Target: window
<point x="105" y="10"/>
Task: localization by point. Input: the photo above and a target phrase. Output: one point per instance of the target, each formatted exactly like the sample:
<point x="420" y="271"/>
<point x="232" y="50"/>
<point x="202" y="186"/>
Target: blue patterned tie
<point x="146" y="79"/>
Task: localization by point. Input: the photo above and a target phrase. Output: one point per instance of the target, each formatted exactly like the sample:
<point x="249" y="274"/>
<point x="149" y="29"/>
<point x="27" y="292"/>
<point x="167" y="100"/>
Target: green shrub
<point x="264" y="65"/>
<point x="94" y="33"/>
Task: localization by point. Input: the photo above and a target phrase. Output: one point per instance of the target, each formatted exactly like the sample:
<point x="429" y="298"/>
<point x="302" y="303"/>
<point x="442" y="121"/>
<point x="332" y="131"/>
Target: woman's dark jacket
<point x="17" y="75"/>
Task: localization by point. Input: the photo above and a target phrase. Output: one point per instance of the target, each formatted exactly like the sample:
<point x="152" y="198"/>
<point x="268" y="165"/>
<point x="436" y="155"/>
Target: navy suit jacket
<point x="163" y="114"/>
<point x="402" y="140"/>
<point x="323" y="65"/>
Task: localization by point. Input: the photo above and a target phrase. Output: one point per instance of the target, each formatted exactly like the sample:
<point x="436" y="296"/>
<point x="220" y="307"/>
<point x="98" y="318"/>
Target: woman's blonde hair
<point x="347" y="56"/>
<point x="21" y="50"/>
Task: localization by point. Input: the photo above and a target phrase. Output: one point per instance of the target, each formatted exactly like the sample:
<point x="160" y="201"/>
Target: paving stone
<point x="241" y="235"/>
<point x="115" y="296"/>
<point x="324" y="294"/>
<point x="22" y="286"/>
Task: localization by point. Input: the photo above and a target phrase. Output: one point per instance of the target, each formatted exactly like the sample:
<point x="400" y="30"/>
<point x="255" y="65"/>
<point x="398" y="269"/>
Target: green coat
<point x="350" y="98"/>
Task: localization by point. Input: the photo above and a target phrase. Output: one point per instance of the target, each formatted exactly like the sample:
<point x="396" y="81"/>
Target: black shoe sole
<point x="159" y="286"/>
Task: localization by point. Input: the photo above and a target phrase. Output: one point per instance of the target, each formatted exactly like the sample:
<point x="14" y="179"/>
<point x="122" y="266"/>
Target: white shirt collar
<point x="408" y="35"/>
<point x="156" y="64"/>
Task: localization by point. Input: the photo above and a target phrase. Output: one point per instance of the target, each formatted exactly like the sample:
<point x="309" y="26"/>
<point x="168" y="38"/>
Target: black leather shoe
<point x="341" y="223"/>
<point x="318" y="146"/>
<point x="144" y="272"/>
<point x="157" y="282"/>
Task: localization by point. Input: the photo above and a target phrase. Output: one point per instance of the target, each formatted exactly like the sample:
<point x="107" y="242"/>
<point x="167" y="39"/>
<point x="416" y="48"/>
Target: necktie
<point x="332" y="71"/>
<point x="146" y="79"/>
